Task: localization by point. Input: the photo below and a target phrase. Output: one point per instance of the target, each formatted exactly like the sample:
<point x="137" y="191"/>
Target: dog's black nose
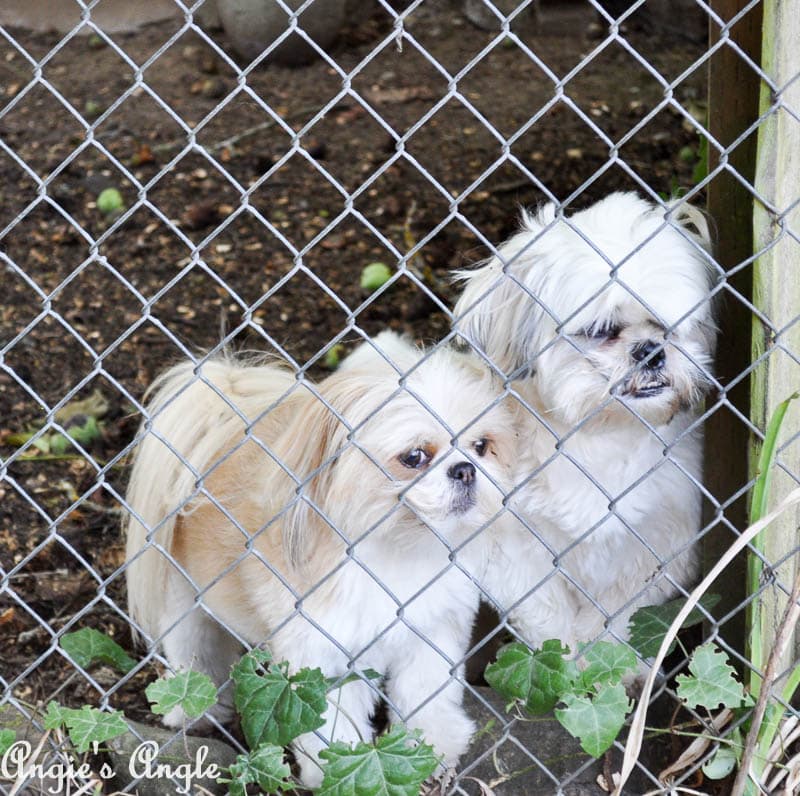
<point x="463" y="471"/>
<point x="651" y="351"/>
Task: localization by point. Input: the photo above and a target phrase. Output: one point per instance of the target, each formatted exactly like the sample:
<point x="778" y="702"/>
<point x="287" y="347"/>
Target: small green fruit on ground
<point x="375" y="275"/>
<point x="110" y="201"/>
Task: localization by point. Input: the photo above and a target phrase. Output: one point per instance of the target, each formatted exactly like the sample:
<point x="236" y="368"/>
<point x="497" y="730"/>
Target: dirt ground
<point x="89" y="303"/>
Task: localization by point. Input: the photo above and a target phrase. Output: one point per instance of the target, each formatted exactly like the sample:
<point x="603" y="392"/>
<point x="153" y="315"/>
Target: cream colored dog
<point x="322" y="522"/>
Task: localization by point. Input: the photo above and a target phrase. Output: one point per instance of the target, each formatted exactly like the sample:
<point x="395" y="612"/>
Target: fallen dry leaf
<point x="7" y="616"/>
<point x="392" y="96"/>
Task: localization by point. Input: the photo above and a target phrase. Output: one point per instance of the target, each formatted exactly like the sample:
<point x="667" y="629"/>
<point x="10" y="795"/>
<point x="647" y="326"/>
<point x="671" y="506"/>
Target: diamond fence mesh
<point x="165" y="200"/>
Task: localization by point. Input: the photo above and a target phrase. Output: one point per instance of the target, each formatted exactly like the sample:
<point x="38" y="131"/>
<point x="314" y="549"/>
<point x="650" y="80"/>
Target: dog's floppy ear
<point x="497" y="312"/>
<point x="694" y="223"/>
<point x="308" y="448"/>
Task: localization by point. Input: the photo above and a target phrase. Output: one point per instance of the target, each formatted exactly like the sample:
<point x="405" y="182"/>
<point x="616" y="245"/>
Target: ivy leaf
<point x="712" y="681"/>
<point x="87" y="645"/>
<point x="649" y="625"/>
<point x="264" y="767"/>
<point x="85" y="726"/>
<point x="537" y="678"/>
<point x="338" y="682"/>
<point x="7" y="738"/>
<point x="596" y="720"/>
<point x="721" y="763"/>
<point x="396" y="764"/>
<point x="55" y="716"/>
<point x="194" y="692"/>
<point x="276" y="708"/>
<point x="90" y="725"/>
<point x="607" y="663"/>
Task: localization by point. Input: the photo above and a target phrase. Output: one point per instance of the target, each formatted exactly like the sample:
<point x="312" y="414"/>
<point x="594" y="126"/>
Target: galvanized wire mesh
<point x="185" y="133"/>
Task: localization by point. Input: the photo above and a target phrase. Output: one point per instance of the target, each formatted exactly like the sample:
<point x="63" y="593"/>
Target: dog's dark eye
<point x="604" y="332"/>
<point x="415" y="458"/>
<point x="481" y="446"/>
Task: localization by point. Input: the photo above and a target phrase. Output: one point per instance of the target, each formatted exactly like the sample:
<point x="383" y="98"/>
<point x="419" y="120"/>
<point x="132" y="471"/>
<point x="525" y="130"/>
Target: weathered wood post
<point x="776" y="292"/>
<point x="732" y="110"/>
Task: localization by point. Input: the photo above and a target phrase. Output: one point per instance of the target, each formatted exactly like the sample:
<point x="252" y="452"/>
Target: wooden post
<point x="732" y="109"/>
<point x="776" y="340"/>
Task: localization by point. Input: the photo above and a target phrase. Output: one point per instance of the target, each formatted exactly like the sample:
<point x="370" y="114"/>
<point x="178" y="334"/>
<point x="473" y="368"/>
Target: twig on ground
<point x="31" y="760"/>
<point x="788" y="733"/>
<point x="423" y="271"/>
<point x="698" y="747"/>
<point x="231" y="141"/>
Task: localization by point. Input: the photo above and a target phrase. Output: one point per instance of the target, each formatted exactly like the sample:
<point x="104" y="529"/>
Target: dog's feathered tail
<point x="194" y="416"/>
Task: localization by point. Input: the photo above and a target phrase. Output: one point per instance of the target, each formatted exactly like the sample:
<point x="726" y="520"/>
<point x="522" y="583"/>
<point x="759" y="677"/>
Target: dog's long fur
<point x="282" y="511"/>
<point x="603" y="322"/>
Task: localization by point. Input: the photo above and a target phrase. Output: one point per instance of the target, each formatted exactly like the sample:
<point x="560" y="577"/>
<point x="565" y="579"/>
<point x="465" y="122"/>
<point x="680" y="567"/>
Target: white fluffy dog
<point x="602" y="323"/>
<point x="321" y="521"/>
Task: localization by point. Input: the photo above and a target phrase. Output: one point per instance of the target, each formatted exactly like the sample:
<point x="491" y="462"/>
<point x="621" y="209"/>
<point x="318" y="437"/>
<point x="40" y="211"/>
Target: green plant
<point x="332" y="356"/>
<point x="649" y="625"/>
<point x="193" y="692"/>
<point x="761" y="749"/>
<point x="265" y="767"/>
<point x="755" y="566"/>
<point x="711" y="681"/>
<point x="590" y="701"/>
<point x="593" y="701"/>
<point x="758" y="752"/>
<point x="81" y="421"/>
<point x="85" y="726"/>
<point x="396" y="764"/>
<point x="755" y="753"/>
<point x="87" y="646"/>
<point x="694" y="155"/>
<point x="7" y="737"/>
<point x="700" y="171"/>
<point x="275" y="707"/>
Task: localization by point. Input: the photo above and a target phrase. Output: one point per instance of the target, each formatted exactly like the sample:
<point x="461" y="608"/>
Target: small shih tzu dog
<point x="321" y="520"/>
<point x="603" y="325"/>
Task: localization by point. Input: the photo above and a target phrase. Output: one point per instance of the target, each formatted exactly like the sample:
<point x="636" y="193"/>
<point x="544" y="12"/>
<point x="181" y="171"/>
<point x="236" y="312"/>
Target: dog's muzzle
<point x="648" y="378"/>
<point x="462" y="476"/>
<point x="649" y="354"/>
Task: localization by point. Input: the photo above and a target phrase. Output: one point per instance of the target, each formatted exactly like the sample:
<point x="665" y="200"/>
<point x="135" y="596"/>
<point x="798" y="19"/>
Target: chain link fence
<point x="163" y="199"/>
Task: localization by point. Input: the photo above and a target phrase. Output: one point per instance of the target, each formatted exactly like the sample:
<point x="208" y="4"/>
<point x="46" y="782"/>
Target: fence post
<point x="776" y="338"/>
<point x="732" y="109"/>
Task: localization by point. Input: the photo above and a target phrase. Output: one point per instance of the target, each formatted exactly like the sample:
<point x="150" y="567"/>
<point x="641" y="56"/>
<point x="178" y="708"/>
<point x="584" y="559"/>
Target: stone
<point x="479" y="14"/>
<point x="253" y="25"/>
<point x="49" y="755"/>
<point x="671" y="19"/>
<point x="527" y="758"/>
<point x="112" y="16"/>
<point x="520" y="758"/>
<point x="175" y="749"/>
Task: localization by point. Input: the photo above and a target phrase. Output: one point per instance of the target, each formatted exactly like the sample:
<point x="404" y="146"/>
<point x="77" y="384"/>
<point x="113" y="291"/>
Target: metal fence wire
<point x="165" y="200"/>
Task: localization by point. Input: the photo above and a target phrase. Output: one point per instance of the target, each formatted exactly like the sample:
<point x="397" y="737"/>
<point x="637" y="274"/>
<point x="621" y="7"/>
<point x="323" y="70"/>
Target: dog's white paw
<point x="449" y="731"/>
<point x="178" y="720"/>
